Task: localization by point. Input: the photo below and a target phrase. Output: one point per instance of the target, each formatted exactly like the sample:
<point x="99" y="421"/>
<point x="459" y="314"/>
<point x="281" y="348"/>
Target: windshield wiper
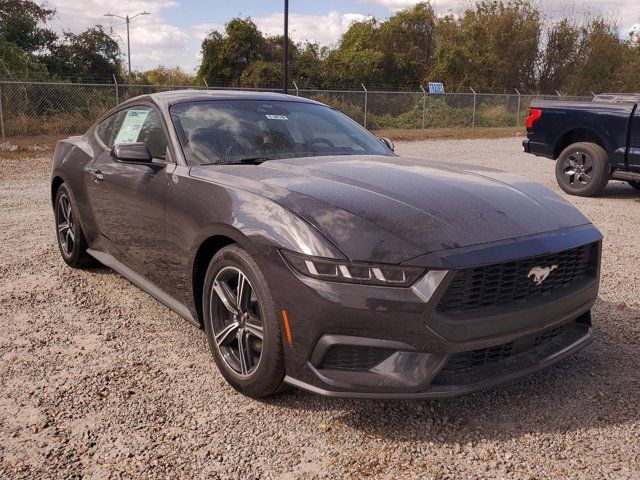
<point x="249" y="160"/>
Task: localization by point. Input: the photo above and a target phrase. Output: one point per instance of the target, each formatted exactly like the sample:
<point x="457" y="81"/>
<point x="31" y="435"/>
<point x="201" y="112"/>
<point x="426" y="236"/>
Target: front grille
<point x="470" y="367"/>
<point x="507" y="283"/>
<point x="349" y="357"/>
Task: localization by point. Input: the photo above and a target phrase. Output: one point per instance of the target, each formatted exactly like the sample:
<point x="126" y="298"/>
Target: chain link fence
<point x="36" y="109"/>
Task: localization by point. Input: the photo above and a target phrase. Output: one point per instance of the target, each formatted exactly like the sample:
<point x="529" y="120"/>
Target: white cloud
<point x="393" y="5"/>
<point x="322" y="29"/>
<point x="201" y="30"/>
<point x="627" y="11"/>
<point x="154" y="41"/>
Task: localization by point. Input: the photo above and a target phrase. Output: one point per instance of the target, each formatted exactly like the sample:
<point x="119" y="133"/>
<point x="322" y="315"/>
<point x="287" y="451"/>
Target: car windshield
<point x="253" y="131"/>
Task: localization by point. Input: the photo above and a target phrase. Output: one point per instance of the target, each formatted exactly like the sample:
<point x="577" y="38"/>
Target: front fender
<point x="197" y="210"/>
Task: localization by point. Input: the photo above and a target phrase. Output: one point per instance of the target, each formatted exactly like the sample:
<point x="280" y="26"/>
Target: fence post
<point x="518" y="114"/>
<point x="424" y="105"/>
<point x="117" y="94"/>
<point x="366" y="94"/>
<point x="205" y="83"/>
<point x="2" y="118"/>
<point x="473" y="115"/>
<point x="295" y="85"/>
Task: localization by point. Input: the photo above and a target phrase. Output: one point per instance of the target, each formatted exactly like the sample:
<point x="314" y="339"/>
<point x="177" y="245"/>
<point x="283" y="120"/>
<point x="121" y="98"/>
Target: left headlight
<point x="353" y="272"/>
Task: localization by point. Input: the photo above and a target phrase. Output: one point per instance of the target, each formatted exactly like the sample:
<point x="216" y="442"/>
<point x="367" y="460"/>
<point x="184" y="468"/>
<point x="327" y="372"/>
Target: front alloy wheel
<point x="236" y="322"/>
<point x="242" y="327"/>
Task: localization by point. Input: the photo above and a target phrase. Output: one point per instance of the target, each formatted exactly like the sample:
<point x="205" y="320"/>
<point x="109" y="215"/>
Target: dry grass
<point x="453" y="133"/>
<point x="28" y="147"/>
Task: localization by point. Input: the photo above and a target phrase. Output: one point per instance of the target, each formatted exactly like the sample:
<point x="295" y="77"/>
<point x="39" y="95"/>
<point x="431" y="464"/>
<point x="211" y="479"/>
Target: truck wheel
<point x="634" y="184"/>
<point x="583" y="169"/>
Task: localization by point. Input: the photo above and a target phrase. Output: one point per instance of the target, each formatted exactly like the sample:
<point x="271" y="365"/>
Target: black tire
<point x="582" y="169"/>
<point x="71" y="240"/>
<point x="634" y="184"/>
<point x="255" y="377"/>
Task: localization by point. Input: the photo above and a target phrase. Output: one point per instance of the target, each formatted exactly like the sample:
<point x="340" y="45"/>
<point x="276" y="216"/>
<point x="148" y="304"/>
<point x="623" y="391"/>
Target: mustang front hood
<point x="391" y="209"/>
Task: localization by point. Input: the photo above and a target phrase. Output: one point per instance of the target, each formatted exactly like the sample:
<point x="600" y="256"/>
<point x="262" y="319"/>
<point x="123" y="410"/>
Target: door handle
<point x="96" y="175"/>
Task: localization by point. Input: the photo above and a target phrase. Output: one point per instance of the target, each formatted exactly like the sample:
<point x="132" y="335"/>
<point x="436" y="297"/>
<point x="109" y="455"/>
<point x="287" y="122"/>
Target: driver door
<point x="128" y="198"/>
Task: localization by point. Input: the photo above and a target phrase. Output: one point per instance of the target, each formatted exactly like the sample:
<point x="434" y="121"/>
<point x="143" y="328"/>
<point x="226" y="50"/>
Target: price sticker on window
<point x="131" y="126"/>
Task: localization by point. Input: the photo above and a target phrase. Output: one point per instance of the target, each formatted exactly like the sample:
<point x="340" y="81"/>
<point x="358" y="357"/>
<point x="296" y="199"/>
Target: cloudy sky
<point x="171" y="35"/>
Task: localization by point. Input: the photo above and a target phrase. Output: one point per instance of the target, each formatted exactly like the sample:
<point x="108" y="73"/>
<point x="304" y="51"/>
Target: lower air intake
<point x="354" y="358"/>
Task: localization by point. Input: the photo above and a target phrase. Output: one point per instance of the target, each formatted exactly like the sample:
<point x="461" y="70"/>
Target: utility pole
<point x="127" y="19"/>
<point x="285" y="60"/>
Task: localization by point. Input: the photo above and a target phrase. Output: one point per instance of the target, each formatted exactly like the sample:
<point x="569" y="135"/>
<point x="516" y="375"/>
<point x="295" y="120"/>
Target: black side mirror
<point x="131" y="152"/>
<point x="387" y="143"/>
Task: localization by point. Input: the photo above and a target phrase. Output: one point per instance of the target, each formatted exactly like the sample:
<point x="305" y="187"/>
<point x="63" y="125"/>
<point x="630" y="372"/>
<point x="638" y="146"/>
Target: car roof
<point x="173" y="97"/>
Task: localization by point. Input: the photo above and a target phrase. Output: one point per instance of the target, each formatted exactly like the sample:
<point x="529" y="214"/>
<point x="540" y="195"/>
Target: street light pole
<point x="127" y="19"/>
<point x="128" y="49"/>
<point x="285" y="60"/>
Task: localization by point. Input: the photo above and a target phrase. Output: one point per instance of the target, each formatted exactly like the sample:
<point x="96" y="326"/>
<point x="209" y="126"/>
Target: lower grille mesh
<point x="469" y="367"/>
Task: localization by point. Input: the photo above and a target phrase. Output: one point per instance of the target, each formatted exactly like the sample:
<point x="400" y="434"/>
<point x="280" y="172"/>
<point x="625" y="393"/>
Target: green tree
<point x="261" y="73"/>
<point x="225" y="57"/>
<point x="491" y="47"/>
<point x="90" y="54"/>
<point x="407" y="41"/>
<point x="20" y="24"/>
<point x="22" y="38"/>
<point x="396" y="52"/>
<point x="603" y="55"/>
<point x="561" y="55"/>
<point x="162" y="75"/>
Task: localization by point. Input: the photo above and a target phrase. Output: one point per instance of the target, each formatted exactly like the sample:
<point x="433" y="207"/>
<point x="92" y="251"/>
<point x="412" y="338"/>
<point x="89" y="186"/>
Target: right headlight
<point x="353" y="272"/>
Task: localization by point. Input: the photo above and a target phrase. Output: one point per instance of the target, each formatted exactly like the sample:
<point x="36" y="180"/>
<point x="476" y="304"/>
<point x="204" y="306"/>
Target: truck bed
<point x="605" y="122"/>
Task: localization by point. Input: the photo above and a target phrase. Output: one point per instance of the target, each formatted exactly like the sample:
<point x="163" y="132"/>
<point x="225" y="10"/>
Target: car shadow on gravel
<point x="592" y="389"/>
<point x="620" y="191"/>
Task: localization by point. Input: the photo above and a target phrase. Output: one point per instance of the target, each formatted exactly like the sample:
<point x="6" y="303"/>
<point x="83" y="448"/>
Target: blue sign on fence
<point x="436" y="87"/>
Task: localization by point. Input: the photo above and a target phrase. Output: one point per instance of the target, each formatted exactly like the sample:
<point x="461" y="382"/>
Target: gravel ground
<point x="98" y="380"/>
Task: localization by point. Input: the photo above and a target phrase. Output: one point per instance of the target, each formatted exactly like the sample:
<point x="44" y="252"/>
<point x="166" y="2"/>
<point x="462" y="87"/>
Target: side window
<point x="140" y="124"/>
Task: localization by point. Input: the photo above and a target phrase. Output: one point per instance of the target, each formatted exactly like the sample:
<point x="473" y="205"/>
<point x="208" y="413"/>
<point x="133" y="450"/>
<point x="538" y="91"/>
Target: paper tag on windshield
<point x="277" y="117"/>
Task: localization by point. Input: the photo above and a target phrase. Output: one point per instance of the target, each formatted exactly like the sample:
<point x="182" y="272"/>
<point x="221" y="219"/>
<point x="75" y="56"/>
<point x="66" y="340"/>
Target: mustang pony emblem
<point x="540" y="274"/>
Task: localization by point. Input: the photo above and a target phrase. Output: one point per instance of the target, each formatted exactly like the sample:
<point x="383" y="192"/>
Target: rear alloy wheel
<point x="241" y="324"/>
<point x="71" y="240"/>
<point x="582" y="169"/>
<point x="634" y="184"/>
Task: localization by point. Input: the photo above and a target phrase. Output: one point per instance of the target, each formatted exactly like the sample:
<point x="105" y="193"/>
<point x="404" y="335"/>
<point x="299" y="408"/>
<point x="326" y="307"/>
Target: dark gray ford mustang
<point x="313" y="256"/>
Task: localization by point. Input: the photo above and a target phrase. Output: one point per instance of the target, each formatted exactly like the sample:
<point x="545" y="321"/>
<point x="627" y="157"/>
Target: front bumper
<point x="470" y="381"/>
<point x="382" y="342"/>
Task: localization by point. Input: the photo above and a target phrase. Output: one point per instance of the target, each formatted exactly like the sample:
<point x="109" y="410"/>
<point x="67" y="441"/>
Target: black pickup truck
<point x="592" y="142"/>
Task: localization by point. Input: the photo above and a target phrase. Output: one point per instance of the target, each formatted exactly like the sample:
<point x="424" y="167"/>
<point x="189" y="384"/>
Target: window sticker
<point x="131" y="126"/>
<point x="277" y="117"/>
